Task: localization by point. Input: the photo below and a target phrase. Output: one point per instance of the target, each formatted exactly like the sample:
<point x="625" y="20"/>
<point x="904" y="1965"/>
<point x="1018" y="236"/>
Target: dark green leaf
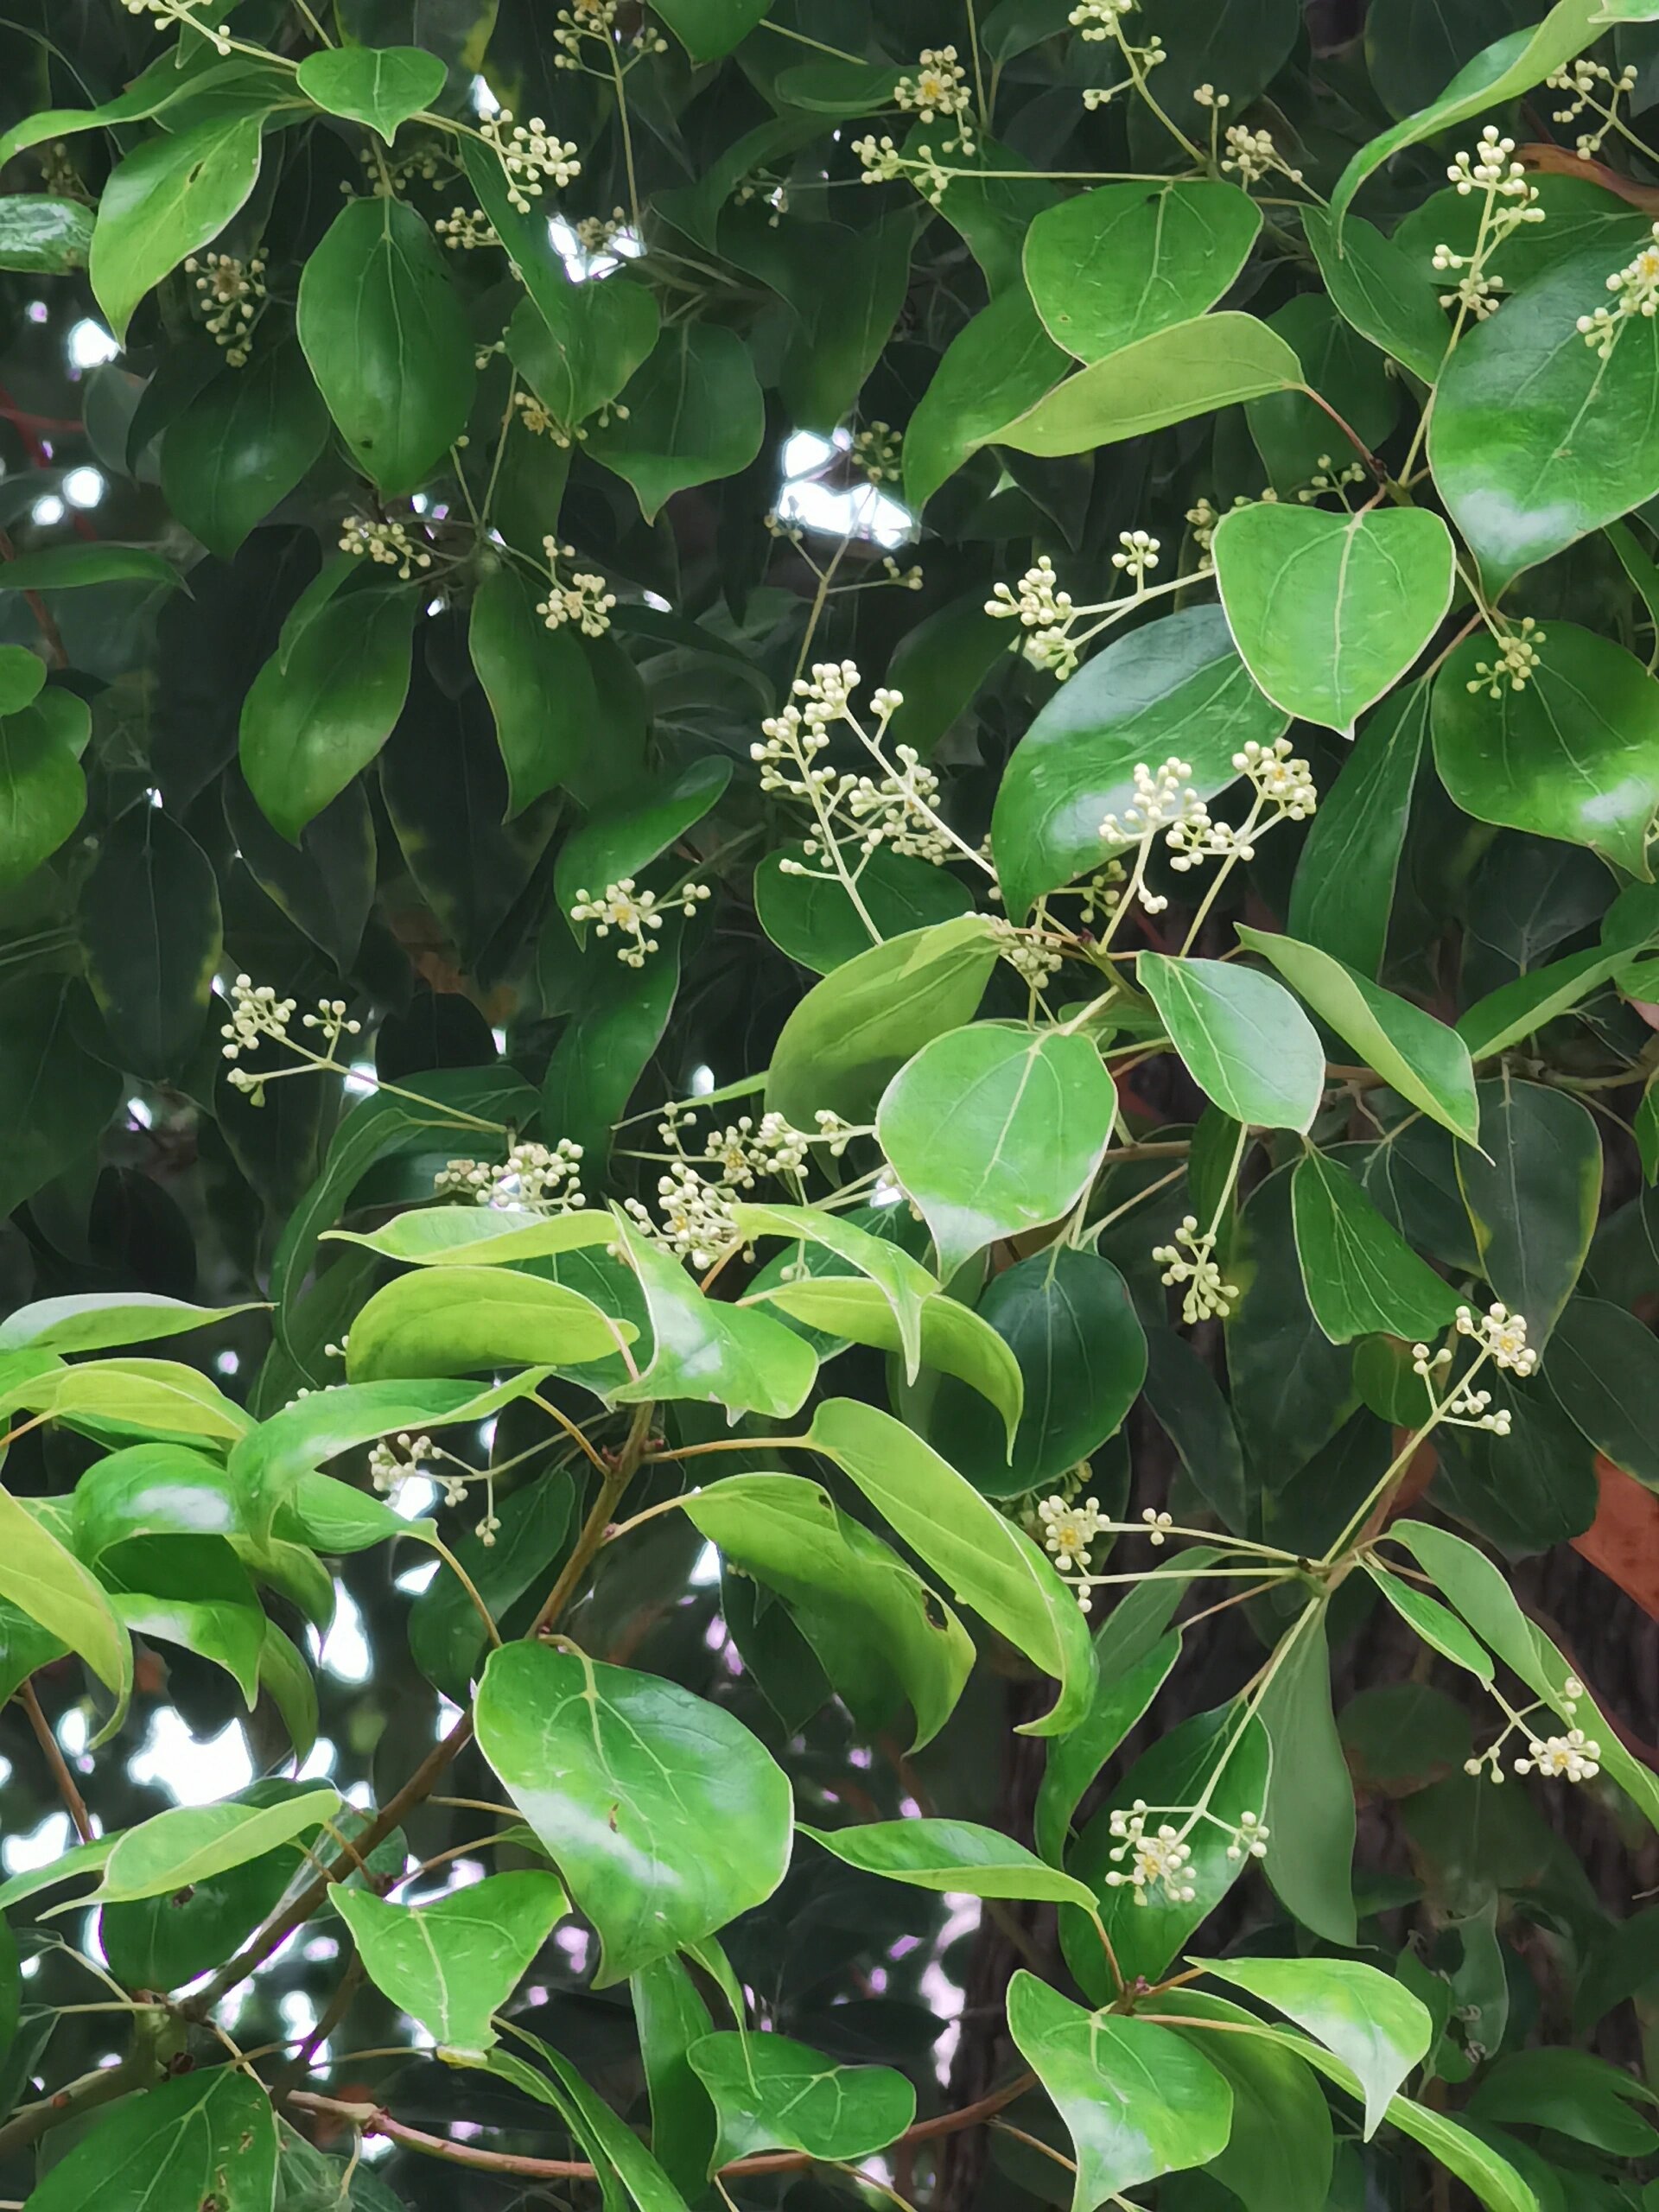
<point x="1361" y="1277"/>
<point x="151" y="926"/>
<point x="242" y="445"/>
<point x="1532" y="1190"/>
<point x="771" y="2094"/>
<point x="206" y="2137"/>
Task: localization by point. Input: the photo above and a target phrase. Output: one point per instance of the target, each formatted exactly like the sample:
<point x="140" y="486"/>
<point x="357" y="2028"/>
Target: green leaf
<point x="75" y="567"/>
<point x="576" y="345"/>
<point x="704" y="1349"/>
<point x="988" y="1562"/>
<point x="955" y="1341"/>
<point x="1415" y="1055"/>
<point x="174" y="193"/>
<point x="950" y="1855"/>
<point x="1330" y="610"/>
<point x="155" y="1395"/>
<point x="537" y="682"/>
<point x="1244" y="1041"/>
<point x="1513" y="65"/>
<point x="1362" y="1277"/>
<point x="1521" y="1008"/>
<point x="43" y="236"/>
<point x="1113" y="265"/>
<point x="622" y="840"/>
<point x="1376" y="287"/>
<point x="467" y="1237"/>
<point x="445" y="1637"/>
<point x="1377" y="2027"/>
<point x="325" y="703"/>
<point x="379" y="87"/>
<point x="1603" y="1373"/>
<point x="620" y="2158"/>
<point x="154" y="1490"/>
<point x="810" y="917"/>
<point x="1310" y="1805"/>
<point x="853" y="1032"/>
<point x="1534" y="440"/>
<point x="201" y="2137"/>
<point x="452" y="1964"/>
<point x="1280" y="2154"/>
<point x="1190" y="368"/>
<point x="1121" y="1697"/>
<point x="904" y="1282"/>
<point x="709" y="28"/>
<point x="153" y="936"/>
<point x="858" y="280"/>
<point x="468" y="1320"/>
<point x="387" y="340"/>
<point x="191" y="1590"/>
<point x="695" y="414"/>
<point x="663" y="1814"/>
<point x="879" y="1631"/>
<point x="22" y="674"/>
<point x="1440" y="1630"/>
<point x="992" y="1130"/>
<point x="46" y="1581"/>
<point x="163" y="1942"/>
<point x="998" y="365"/>
<point x="1067" y="1317"/>
<point x="1174" y="687"/>
<point x="193" y="1842"/>
<point x="1533" y="1190"/>
<point x="1137" y="2100"/>
<point x="242" y="444"/>
<point x="670" y="2018"/>
<point x="1343" y="889"/>
<point x="1572" y="2093"/>
<point x="616" y="1024"/>
<point x="42" y="788"/>
<point x="771" y="2093"/>
<point x="1574" y="754"/>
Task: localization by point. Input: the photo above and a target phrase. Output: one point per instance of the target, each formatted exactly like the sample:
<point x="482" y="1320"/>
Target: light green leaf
<point x="1137" y="2100"/>
<point x="174" y="193"/>
<point x="951" y="1855"/>
<point x="1173" y="687"/>
<point x="44" y="1579"/>
<point x="68" y="1866"/>
<point x="663" y="1814"/>
<point x="993" y="369"/>
<point x="992" y="1130"/>
<point x="703" y="1348"/>
<point x="1111" y="266"/>
<point x="42" y="788"/>
<point x="154" y="1490"/>
<point x="1374" y="285"/>
<point x="191" y="1590"/>
<point x="1330" y="610"/>
<point x="193" y="1842"/>
<point x="1521" y="1008"/>
<point x="1513" y="65"/>
<point x="1310" y="1807"/>
<point x="905" y="1283"/>
<point x="1362" y="1277"/>
<point x="210" y="2136"/>
<point x="145" y="1395"/>
<point x="1415" y="1055"/>
<point x="695" y="414"/>
<point x="1190" y="368"/>
<point x="453" y="1963"/>
<point x="23" y="675"/>
<point x="855" y="1030"/>
<point x="771" y="2093"/>
<point x="1533" y="1190"/>
<point x="461" y="1320"/>
<point x="381" y="87"/>
<point x="43" y="236"/>
<point x="1574" y="754"/>
<point x="954" y="1339"/>
<point x="470" y="1237"/>
<point x="670" y="2016"/>
<point x="1244" y="1041"/>
<point x="988" y="1562"/>
<point x="1440" y="1630"/>
<point x="387" y="338"/>
<point x="1371" y="2023"/>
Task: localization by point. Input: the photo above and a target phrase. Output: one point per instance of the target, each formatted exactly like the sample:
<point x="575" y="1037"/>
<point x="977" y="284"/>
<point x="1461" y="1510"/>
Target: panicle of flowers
<point x="637" y="915"/>
<point x="1251" y="155"/>
<point x="256" y="1012"/>
<point x="1137" y="553"/>
<point x="1151" y="1853"/>
<point x="697" y="1194"/>
<point x="875" y="453"/>
<point x="938" y="86"/>
<point x="1283" y="791"/>
<point x="183" y="11"/>
<point x="1516" y="662"/>
<point x="258" y="1015"/>
<point x="1068" y="1528"/>
<point x="1509" y="199"/>
<point x="1571" y="1757"/>
<point x="230" y="299"/>
<point x="389" y="544"/>
<point x="1099" y="19"/>
<point x="882" y="163"/>
<point x="1034" y="955"/>
<point x="1501" y="1336"/>
<point x="395" y="1460"/>
<point x="596" y="20"/>
<point x="530" y="156"/>
<point x="1160" y="800"/>
<point x="1636" y="289"/>
<point x="583" y="600"/>
<point x="597" y="234"/>
<point x="1203" y="518"/>
<point x="541" y="1178"/>
<point x="1328" y="476"/>
<point x="1465" y="1407"/>
<point x="1045" y="612"/>
<point x="1191" y="1261"/>
<point x="1583" y="82"/>
<point x="463" y="230"/>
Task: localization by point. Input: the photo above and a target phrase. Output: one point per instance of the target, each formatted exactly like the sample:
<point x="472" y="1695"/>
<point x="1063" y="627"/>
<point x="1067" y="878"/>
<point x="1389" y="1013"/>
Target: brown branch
<point x="374" y="2121"/>
<point x="74" y="1804"/>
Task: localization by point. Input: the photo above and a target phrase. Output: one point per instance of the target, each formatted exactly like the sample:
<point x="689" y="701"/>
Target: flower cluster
<point x="1099" y="19"/>
<point x="395" y="1461"/>
<point x="1252" y="155"/>
<point x="258" y="1013"/>
<point x="1034" y="956"/>
<point x="387" y="174"/>
<point x="1508" y="202"/>
<point x="1572" y="1757"/>
<point x="1636" y="288"/>
<point x="596" y="19"/>
<point x="532" y="1175"/>
<point x="1516" y="662"/>
<point x="530" y="157"/>
<point x="584" y="600"/>
<point x="1069" y="1528"/>
<point x="1161" y="1858"/>
<point x="181" y="11"/>
<point x="938" y="86"/>
<point x="1328" y="477"/>
<point x="637" y="915"/>
<point x="463" y="230"/>
<point x="1191" y="1260"/>
<point x="389" y="544"/>
<point x="876" y="452"/>
<point x="1582" y="81"/>
<point x="882" y="163"/>
<point x="1045" y="612"/>
<point x="1466" y="1408"/>
<point x="230" y="299"/>
<point x="597" y="234"/>
<point x="1159" y="800"/>
<point x="1501" y="1336"/>
<point x="696" y="1195"/>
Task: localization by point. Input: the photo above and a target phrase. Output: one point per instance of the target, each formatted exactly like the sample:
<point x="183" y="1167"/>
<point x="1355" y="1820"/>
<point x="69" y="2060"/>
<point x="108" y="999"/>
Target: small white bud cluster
<point x="1510" y="200"/>
<point x="537" y="1176"/>
<point x="584" y="600"/>
<point x="596" y="19"/>
<point x="597" y="234"/>
<point x="1207" y="95"/>
<point x="1637" y="285"/>
<point x="230" y="298"/>
<point x="637" y="915"/>
<point x="938" y="86"/>
<point x="898" y="809"/>
<point x="696" y="1195"/>
<point x="1252" y="155"/>
<point x="1516" y="662"/>
<point x="1581" y="80"/>
<point x="1492" y="167"/>
<point x="180" y="11"/>
<point x="389" y="544"/>
<point x="1327" y="477"/>
<point x="1034" y="956"/>
<point x="1203" y="518"/>
<point x="1191" y="1260"/>
<point x="463" y="230"/>
<point x="882" y="163"/>
<point x="1137" y="553"/>
<point x="1500" y="1335"/>
<point x="1160" y="800"/>
<point x="1099" y="19"/>
<point x="1158" y="1526"/>
<point x="1466" y="1408"/>
<point x="393" y="1461"/>
<point x="1158" y="1861"/>
<point x="386" y="174"/>
<point x="876" y="452"/>
<point x="256" y="1012"/>
<point x="1046" y="611"/>
<point x="530" y="157"/>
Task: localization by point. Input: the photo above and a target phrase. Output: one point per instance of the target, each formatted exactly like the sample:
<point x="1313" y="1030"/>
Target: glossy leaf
<point x="1190" y="368"/>
<point x="950" y="1855"/>
<point x="904" y="1282"/>
<point x="175" y="192"/>
<point x="1532" y="1192"/>
<point x="154" y="938"/>
<point x="43" y="235"/>
<point x="242" y="444"/>
<point x="705" y="1348"/>
<point x="663" y="1815"/>
<point x="466" y="1320"/>
<point x="470" y="1237"/>
<point x="193" y="1842"/>
<point x="1113" y="265"/>
<point x="1244" y="1041"/>
<point x="999" y="364"/>
<point x="771" y="2093"/>
<point x="1361" y="1277"/>
<point x="42" y="788"/>
<point x="538" y="683"/>
<point x="380" y="86"/>
<point x="1310" y="1802"/>
<point x="1375" y="285"/>
<point x="1439" y="1628"/>
<point x="45" y="1580"/>
<point x="695" y="414"/>
<point x="812" y="919"/>
<point x="1604" y="1373"/>
<point x="453" y="1963"/>
<point x="1075" y="1759"/>
<point x="207" y="2135"/>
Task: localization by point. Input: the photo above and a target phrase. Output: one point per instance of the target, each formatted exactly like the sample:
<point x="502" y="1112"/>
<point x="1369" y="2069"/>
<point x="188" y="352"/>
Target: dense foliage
<point x="828" y="971"/>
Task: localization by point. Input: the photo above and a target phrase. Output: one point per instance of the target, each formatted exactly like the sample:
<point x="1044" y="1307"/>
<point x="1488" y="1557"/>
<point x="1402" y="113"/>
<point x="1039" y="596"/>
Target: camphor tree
<point x="828" y="971"/>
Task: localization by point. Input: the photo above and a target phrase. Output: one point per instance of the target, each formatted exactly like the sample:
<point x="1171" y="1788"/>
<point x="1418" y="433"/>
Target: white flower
<point x="1069" y="1528"/>
<point x="465" y="229"/>
<point x="1500" y="1334"/>
<point x="1572" y="1757"/>
<point x="1637" y="286"/>
<point x="1251" y="155"/>
<point x="532" y="1175"/>
<point x="393" y="1463"/>
<point x="1159" y="799"/>
<point x="938" y="85"/>
<point x="584" y="600"/>
<point x="529" y="155"/>
<point x="389" y="544"/>
<point x="1137" y="553"/>
<point x="1099" y="19"/>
